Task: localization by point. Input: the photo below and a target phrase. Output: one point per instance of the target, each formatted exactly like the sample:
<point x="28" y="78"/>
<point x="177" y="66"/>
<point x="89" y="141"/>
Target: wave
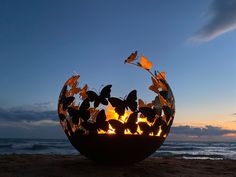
<point x="6" y="146"/>
<point x="189" y="150"/>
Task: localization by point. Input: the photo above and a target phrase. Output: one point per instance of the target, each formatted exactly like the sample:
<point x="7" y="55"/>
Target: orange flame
<point x="111" y="114"/>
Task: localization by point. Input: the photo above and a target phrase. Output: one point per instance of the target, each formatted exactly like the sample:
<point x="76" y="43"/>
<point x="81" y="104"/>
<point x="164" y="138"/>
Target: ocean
<point x="186" y="150"/>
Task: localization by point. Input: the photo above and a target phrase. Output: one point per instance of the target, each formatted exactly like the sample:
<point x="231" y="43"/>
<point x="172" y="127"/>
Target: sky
<point x="42" y="43"/>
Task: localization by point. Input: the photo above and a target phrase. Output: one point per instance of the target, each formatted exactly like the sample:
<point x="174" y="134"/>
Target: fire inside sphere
<point x="109" y="130"/>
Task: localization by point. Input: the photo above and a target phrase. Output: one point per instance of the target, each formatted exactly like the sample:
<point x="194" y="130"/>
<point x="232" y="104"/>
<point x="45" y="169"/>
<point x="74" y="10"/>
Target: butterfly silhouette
<point x="165" y="129"/>
<point x="168" y="112"/>
<point x="82" y="112"/>
<point x="132" y="57"/>
<point x="149" y="113"/>
<point x="121" y="105"/>
<point x="146" y="129"/>
<point x="83" y="92"/>
<point x="141" y="103"/>
<point x="129" y="124"/>
<point x="100" y="123"/>
<point x="145" y="63"/>
<point x="102" y="98"/>
<point x="64" y="100"/>
<point x="118" y="126"/>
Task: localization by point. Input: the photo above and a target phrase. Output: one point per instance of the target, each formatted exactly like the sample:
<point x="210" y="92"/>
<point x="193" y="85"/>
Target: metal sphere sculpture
<point x="125" y="131"/>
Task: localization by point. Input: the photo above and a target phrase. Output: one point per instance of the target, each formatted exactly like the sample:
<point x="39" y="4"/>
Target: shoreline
<point x="73" y="165"/>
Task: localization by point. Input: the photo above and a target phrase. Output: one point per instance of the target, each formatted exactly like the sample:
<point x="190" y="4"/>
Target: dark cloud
<point x="234" y="114"/>
<point x="20" y="123"/>
<point x="196" y="131"/>
<point x="21" y="118"/>
<point x="223" y="13"/>
<point x="28" y="115"/>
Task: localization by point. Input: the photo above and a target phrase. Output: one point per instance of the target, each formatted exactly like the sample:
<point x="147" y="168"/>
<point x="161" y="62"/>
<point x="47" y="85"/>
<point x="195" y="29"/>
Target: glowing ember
<point x="111" y="114"/>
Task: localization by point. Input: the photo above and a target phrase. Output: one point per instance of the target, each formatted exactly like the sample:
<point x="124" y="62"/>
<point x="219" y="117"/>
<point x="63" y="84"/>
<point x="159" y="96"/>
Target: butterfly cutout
<point x="155" y="85"/>
<point x="118" y="126"/>
<point x="73" y="81"/>
<point x="132" y="57"/>
<point x="74" y="90"/>
<point x="93" y="114"/>
<point x="142" y="104"/>
<point x="121" y="105"/>
<point x="101" y="122"/>
<point x="66" y="101"/>
<point x="82" y="112"/>
<point x="160" y="75"/>
<point x="145" y="63"/>
<point x="163" y="85"/>
<point x="83" y="92"/>
<point x="149" y="113"/>
<point x="102" y="98"/>
<point x="168" y="112"/>
<point x="89" y="126"/>
<point x="157" y="105"/>
<point x="154" y="128"/>
<point x="165" y="129"/>
<point x="130" y="124"/>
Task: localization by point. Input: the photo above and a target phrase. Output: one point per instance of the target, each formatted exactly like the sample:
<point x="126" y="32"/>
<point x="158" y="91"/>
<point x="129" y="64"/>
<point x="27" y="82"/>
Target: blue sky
<point x="43" y="42"/>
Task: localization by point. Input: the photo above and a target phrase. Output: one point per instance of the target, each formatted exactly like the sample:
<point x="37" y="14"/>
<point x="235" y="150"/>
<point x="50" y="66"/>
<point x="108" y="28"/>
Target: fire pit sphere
<point x="111" y="130"/>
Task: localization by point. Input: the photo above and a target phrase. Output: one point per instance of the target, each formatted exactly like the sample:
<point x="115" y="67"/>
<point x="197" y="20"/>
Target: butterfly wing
<point x="89" y="126"/>
<point x="92" y="95"/>
<point x="118" y="104"/>
<point x="101" y="121"/>
<point x="157" y="106"/>
<point x="141" y="103"/>
<point x="145" y="128"/>
<point x="66" y="101"/>
<point x="106" y="91"/>
<point x="102" y="98"/>
<point x="156" y="124"/>
<point x="149" y="113"/>
<point x="85" y="104"/>
<point x="132" y="57"/>
<point x="145" y="63"/>
<point x="168" y="112"/>
<point x="131" y="122"/>
<point x="74" y="114"/>
<point x="84" y="113"/>
<point x="165" y="129"/>
<point x="83" y="92"/>
<point x="118" y="126"/>
<point x="131" y="100"/>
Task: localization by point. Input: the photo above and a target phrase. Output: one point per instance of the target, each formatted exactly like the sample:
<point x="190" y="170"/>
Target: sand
<point x="79" y="166"/>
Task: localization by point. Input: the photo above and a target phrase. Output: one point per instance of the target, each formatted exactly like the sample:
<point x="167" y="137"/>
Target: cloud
<point x="26" y="124"/>
<point x="22" y="118"/>
<point x="234" y="114"/>
<point x="29" y="123"/>
<point x="197" y="131"/>
<point x="19" y="114"/>
<point x="223" y="13"/>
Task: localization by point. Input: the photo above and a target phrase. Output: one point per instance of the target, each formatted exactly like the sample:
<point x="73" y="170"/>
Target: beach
<point x="76" y="165"/>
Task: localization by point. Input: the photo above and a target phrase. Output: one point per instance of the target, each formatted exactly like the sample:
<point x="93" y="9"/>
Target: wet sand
<point x="79" y="166"/>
